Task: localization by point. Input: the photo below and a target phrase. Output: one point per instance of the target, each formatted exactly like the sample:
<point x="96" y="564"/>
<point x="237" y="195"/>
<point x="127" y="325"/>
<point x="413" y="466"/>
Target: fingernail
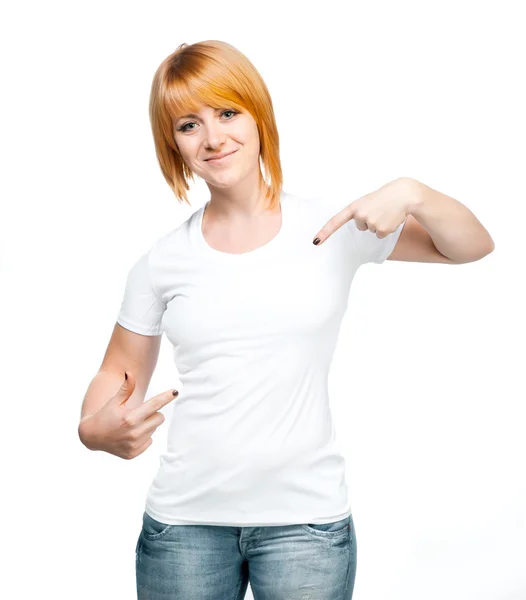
<point x="175" y="392"/>
<point x="316" y="241"/>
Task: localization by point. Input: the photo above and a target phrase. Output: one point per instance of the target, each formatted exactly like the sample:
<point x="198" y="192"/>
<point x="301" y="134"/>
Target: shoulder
<point x="174" y="240"/>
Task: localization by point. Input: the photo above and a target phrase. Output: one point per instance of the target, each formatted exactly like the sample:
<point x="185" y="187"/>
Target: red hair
<point x="216" y="74"/>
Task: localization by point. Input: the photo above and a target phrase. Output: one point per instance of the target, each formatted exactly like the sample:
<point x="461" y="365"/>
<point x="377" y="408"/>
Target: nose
<point x="214" y="135"/>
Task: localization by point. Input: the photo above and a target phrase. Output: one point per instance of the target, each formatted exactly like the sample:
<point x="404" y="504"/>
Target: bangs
<point x="182" y="96"/>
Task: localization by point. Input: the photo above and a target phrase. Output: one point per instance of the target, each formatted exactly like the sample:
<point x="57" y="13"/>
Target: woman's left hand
<point x="381" y="211"/>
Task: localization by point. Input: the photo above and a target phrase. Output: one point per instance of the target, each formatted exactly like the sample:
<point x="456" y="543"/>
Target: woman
<point x="253" y="480"/>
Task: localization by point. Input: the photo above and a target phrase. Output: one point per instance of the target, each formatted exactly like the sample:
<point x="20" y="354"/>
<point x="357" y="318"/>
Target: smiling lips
<point x="217" y="160"/>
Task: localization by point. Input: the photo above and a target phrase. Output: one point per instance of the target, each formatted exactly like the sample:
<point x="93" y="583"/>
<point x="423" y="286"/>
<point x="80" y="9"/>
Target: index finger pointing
<point x="333" y="224"/>
<point x="154" y="404"/>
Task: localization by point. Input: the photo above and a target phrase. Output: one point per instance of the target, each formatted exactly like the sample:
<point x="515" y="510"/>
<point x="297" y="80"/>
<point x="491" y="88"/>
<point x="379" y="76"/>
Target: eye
<point x="183" y="128"/>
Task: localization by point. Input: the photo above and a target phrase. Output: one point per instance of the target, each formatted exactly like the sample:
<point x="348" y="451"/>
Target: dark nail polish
<point x="175" y="393"/>
<point x="316" y="241"/>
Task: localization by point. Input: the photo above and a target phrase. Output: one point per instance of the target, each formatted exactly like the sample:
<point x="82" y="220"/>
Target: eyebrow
<point x="193" y="115"/>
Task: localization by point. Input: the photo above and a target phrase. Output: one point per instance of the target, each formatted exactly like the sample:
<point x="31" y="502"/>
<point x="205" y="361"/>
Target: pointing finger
<point x="154" y="404"/>
<point x="333" y="224"/>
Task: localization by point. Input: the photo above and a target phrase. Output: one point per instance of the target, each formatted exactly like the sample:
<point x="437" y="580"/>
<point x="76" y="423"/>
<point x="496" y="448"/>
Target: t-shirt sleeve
<point x="141" y="310"/>
<point x="369" y="247"/>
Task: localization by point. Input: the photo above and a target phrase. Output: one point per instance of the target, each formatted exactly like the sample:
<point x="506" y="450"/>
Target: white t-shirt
<point x="251" y="441"/>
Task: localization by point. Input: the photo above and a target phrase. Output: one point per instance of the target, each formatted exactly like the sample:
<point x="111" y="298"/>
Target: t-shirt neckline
<point x="266" y="249"/>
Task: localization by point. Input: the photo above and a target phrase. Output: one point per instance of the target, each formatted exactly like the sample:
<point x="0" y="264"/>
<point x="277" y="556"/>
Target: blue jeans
<point x="215" y="562"/>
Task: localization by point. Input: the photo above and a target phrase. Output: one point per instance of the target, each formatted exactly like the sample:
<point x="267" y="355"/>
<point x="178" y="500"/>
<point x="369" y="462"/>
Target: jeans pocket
<point x="329" y="529"/>
<point x="153" y="529"/>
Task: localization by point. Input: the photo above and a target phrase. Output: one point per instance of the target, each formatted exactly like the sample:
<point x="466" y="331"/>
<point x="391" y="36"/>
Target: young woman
<point x="252" y="484"/>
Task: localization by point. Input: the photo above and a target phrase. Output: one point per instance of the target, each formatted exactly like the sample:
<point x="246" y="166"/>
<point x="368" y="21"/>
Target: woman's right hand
<point x="122" y="429"/>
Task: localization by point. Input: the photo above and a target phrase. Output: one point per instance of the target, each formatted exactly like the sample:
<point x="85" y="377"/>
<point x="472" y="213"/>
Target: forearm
<point x="454" y="229"/>
<point x="103" y="386"/>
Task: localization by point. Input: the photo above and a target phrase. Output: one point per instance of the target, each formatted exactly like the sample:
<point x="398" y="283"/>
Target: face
<point x="217" y="131"/>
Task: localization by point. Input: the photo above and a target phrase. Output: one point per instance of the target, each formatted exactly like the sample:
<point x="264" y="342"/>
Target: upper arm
<point x="416" y="245"/>
<point x="136" y="339"/>
<point x="130" y="351"/>
<point x="142" y="308"/>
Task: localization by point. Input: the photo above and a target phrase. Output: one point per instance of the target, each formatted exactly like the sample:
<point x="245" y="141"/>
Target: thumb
<point x="127" y="388"/>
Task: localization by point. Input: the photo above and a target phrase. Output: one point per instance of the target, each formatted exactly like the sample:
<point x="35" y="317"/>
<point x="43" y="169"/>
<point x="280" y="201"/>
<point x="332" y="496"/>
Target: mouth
<point x="223" y="158"/>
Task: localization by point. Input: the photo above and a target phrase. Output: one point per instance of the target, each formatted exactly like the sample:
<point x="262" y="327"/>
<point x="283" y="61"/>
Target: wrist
<point x="413" y="193"/>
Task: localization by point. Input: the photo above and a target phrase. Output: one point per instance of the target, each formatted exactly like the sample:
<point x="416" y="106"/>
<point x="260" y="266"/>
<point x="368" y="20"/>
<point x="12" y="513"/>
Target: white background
<point x="427" y="380"/>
